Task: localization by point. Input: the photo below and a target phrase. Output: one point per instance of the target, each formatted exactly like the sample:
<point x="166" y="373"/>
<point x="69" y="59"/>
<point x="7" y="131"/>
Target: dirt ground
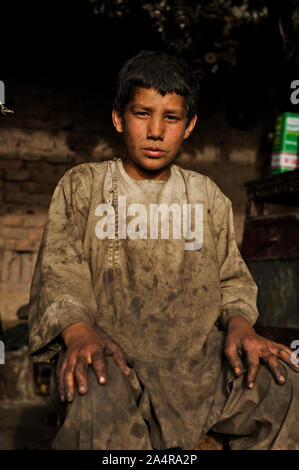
<point x="27" y="425"/>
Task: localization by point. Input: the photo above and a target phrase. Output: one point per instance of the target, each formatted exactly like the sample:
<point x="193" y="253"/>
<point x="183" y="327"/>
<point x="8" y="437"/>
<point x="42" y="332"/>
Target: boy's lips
<point x="153" y="151"/>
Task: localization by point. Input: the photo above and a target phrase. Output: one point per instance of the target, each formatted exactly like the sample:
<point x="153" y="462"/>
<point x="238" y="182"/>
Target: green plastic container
<point x="285" y="153"/>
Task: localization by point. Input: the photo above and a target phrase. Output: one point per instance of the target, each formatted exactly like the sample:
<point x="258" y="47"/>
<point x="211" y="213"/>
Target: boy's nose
<point x="155" y="129"/>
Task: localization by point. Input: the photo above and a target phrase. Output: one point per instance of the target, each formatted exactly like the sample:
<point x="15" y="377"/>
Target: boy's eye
<point x="172" y="118"/>
<point x="141" y="113"/>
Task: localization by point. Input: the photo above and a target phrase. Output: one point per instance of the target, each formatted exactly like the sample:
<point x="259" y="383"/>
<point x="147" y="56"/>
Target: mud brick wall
<point x="57" y="127"/>
<point x="20" y="237"/>
<point x="52" y="130"/>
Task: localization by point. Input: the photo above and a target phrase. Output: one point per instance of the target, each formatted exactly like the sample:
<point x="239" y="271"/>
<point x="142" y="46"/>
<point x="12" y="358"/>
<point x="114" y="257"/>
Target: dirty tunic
<point x="165" y="305"/>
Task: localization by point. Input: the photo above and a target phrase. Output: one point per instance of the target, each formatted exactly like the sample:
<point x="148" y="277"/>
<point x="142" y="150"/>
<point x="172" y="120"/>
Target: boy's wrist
<point x="237" y="321"/>
<point x="75" y="330"/>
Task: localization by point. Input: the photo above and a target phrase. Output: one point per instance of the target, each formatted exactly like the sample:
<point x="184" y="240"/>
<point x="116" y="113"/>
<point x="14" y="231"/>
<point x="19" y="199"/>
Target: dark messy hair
<point x="163" y="72"/>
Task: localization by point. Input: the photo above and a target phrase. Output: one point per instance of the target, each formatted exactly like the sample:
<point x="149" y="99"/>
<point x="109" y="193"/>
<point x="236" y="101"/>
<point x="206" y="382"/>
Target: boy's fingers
<point x="60" y="381"/>
<point x="81" y="374"/>
<point x="99" y="366"/>
<point x="253" y="362"/>
<point x="119" y="358"/>
<point x="274" y="366"/>
<point x="107" y="351"/>
<point x="68" y="381"/>
<point x="234" y="358"/>
<point x="286" y="354"/>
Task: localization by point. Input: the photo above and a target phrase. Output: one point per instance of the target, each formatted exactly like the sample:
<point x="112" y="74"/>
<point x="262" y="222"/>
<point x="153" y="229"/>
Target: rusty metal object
<point x="195" y="28"/>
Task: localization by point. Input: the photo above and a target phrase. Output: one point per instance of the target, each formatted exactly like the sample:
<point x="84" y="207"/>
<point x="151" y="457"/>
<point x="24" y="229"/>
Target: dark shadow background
<point x="65" y="44"/>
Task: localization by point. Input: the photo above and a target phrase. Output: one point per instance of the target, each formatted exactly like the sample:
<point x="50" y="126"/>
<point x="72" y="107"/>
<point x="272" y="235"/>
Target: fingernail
<point x="102" y="379"/>
<point x="127" y="370"/>
<point x="68" y="396"/>
<point x="281" y="378"/>
<point x="250" y="385"/>
<point x="237" y="370"/>
<point x="82" y="389"/>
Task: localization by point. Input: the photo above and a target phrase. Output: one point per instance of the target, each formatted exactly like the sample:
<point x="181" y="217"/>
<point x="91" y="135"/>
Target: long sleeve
<point x="238" y="289"/>
<point x="62" y="290"/>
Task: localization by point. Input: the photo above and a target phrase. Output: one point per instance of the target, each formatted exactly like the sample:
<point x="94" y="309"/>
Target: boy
<point x="164" y="323"/>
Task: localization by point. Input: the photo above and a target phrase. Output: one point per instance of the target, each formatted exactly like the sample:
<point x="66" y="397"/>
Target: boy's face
<point x="153" y="128"/>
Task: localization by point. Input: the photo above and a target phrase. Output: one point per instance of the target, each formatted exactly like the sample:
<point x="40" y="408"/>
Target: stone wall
<point x="53" y="130"/>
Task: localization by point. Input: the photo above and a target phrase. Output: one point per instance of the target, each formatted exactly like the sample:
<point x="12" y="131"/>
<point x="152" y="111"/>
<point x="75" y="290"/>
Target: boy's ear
<point x="117" y="120"/>
<point x="190" y="127"/>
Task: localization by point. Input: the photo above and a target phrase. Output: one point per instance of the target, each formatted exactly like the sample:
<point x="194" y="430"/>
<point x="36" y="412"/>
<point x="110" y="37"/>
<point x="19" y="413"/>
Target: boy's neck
<point x="139" y="173"/>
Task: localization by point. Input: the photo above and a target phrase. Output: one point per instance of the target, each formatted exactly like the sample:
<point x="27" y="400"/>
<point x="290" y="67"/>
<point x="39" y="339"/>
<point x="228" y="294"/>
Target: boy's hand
<point x="85" y="346"/>
<point x="242" y="340"/>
